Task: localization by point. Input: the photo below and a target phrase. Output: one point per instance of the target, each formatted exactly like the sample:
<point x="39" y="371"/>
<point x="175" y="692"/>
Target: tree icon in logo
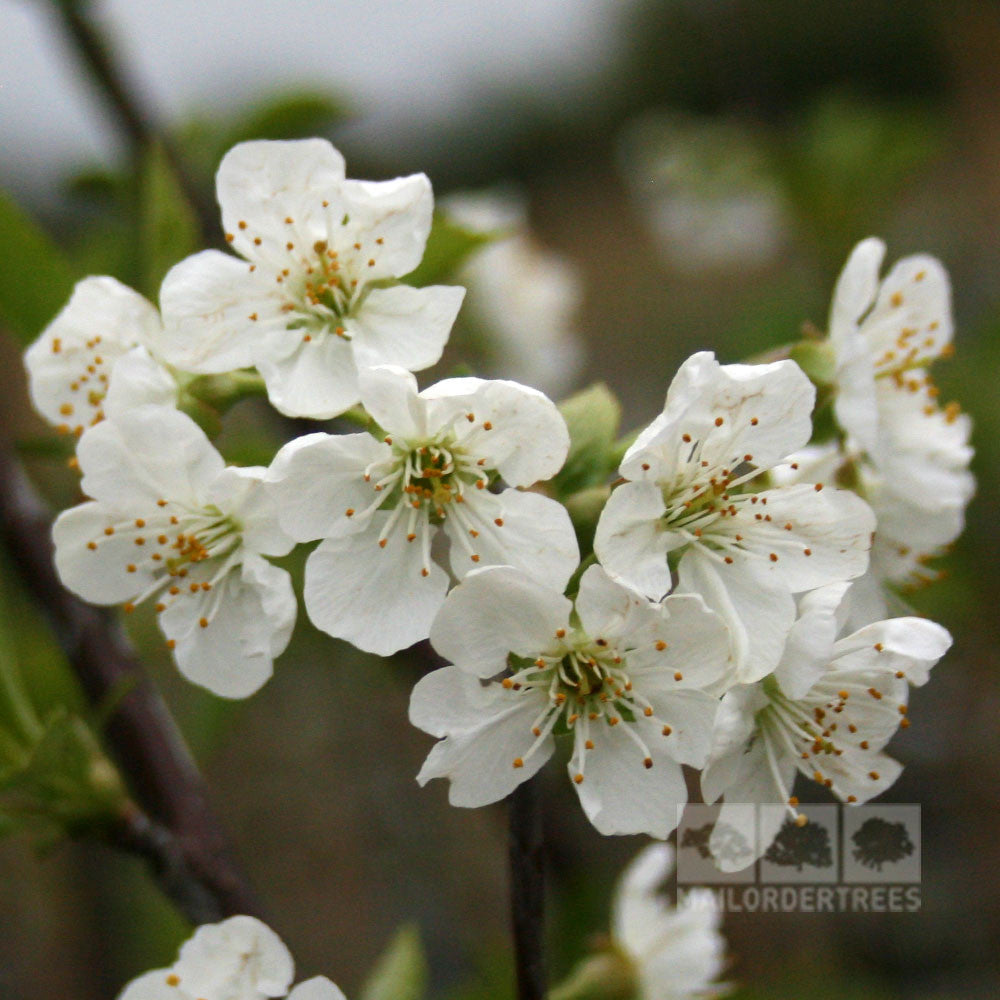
<point x="878" y="842"/>
<point x="797" y="846"/>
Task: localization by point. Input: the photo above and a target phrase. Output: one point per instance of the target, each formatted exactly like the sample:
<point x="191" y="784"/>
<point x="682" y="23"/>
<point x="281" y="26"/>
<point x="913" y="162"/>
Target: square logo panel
<point x="801" y="853"/>
<point x="882" y="844"/>
<point x="702" y="839"/>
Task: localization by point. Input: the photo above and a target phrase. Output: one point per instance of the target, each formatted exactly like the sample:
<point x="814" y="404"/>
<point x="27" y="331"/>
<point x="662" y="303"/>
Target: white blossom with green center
<point x="237" y="959"/>
<point x="828" y="711"/>
<point x="690" y="494"/>
<point x="314" y="298"/>
<point x="381" y="503"/>
<point x="621" y="677"/>
<point x="171" y="524"/>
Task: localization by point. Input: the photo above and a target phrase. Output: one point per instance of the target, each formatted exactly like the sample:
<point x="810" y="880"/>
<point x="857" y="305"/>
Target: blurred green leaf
<point x="401" y="971"/>
<point x="848" y="160"/>
<point x="36" y="278"/>
<point x="592" y="416"/>
<point x="64" y="785"/>
<point x="168" y="226"/>
<point x="296" y="115"/>
<point x="447" y="248"/>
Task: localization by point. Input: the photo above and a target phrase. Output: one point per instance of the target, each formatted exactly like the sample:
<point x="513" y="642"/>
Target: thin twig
<point x="527" y="890"/>
<point x="140" y="732"/>
<point x="134" y="120"/>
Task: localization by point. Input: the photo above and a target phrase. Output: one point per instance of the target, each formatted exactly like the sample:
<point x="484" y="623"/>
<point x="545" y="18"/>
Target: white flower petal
<point x="70" y="362"/>
<point x="606" y="608"/>
<point x="99" y="575"/>
<point x="403" y="325"/>
<point x="685" y="646"/>
<point x="638" y="909"/>
<point x="318" y="378"/>
<point x="735" y="724"/>
<point x="154" y="986"/>
<point x="630" y="541"/>
<point x="911" y="320"/>
<point x="240" y="492"/>
<point x="517" y="429"/>
<point x="619" y="794"/>
<point x="479" y="762"/>
<point x="154" y="452"/>
<point x="390" y="396"/>
<point x="851" y="774"/>
<point x="238" y="959"/>
<point x="315" y="479"/>
<point x="249" y="616"/>
<point x="689" y="716"/>
<point x="496" y="611"/>
<point x="317" y="988"/>
<point x="207" y="302"/>
<point x="757" y="609"/>
<point x="531" y="532"/>
<point x="722" y="413"/>
<point x="262" y="183"/>
<point x="139" y="380"/>
<point x="828" y="540"/>
<point x="392" y="220"/>
<point x="374" y="597"/>
<point x="809" y="647"/>
<point x="754" y="783"/>
<point x="910" y="645"/>
<point x="856" y="288"/>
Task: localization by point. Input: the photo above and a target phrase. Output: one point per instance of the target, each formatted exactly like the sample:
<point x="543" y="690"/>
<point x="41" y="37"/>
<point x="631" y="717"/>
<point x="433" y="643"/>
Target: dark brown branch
<point x="527" y="890"/>
<point x="181" y="834"/>
<point x="133" y="119"/>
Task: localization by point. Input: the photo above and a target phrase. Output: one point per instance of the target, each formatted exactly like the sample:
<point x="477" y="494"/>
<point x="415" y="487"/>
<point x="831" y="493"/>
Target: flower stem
<point x="527" y="890"/>
<point x="202" y="872"/>
<point x="133" y="119"/>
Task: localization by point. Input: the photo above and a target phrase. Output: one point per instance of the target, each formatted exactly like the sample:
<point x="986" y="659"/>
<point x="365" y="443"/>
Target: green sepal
<point x="593" y="416"/>
<point x="816" y="359"/>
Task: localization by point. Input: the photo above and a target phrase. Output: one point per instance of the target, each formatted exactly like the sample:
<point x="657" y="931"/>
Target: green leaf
<point x="168" y="228"/>
<point x="401" y="971"/>
<point x="592" y="416"/>
<point x="448" y="246"/>
<point x="36" y="278"/>
<point x="295" y="115"/>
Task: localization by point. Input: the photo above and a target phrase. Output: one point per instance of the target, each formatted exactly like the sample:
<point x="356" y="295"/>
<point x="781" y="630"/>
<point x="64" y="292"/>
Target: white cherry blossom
<point x="689" y="490"/>
<point x="170" y="522"/>
<point x="883" y="335"/>
<point x="237" y="959"/>
<point x="382" y="503"/>
<point x="676" y="952"/>
<point x="98" y="354"/>
<point x="625" y="677"/>
<point x="828" y="711"/>
<point x="523" y="298"/>
<point x="914" y="525"/>
<point x="314" y="297"/>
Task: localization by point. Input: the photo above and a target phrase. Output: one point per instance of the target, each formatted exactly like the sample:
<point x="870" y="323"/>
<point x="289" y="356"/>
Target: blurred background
<point x="706" y="166"/>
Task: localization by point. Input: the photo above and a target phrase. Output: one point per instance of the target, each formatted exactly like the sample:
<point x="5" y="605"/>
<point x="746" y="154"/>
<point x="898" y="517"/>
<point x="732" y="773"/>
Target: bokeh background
<point x="707" y="164"/>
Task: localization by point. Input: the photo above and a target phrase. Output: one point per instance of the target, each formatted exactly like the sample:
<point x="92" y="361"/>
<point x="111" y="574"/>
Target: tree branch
<point x="181" y="835"/>
<point x="527" y="890"/>
<point x="133" y="119"/>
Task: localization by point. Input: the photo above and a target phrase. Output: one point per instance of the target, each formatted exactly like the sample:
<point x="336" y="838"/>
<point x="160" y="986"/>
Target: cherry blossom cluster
<point x="732" y="615"/>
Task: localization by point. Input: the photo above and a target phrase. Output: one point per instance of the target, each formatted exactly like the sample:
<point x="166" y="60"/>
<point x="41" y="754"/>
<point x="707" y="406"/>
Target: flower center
<point x="584" y="682"/>
<point x="185" y="551"/>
